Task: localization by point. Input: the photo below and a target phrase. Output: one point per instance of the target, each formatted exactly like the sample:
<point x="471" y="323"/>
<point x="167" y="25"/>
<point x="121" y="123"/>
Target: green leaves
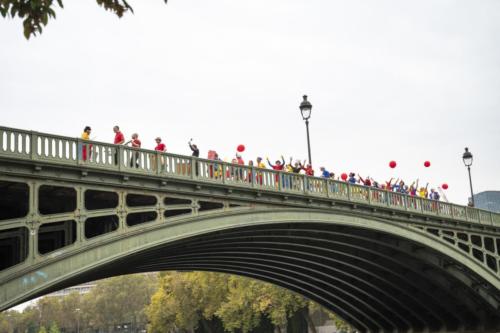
<point x="186" y="299"/>
<point x="36" y="13"/>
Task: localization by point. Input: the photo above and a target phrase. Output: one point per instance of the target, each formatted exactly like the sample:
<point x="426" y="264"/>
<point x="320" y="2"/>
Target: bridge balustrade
<point x="15" y="142"/>
<point x="358" y="193"/>
<point x="35" y="146"/>
<point x="414" y="204"/>
<point x="338" y="190"/>
<point x="459" y="212"/>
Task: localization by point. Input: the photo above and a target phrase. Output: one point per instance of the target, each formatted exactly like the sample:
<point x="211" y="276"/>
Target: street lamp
<point x="467" y="158"/>
<point x="305" y="109"/>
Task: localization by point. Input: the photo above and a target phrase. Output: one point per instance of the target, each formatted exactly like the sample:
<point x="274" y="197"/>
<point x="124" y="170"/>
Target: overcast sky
<point x="389" y="80"/>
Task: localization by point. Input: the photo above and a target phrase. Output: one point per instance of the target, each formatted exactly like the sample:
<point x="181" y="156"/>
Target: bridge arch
<point x="376" y="274"/>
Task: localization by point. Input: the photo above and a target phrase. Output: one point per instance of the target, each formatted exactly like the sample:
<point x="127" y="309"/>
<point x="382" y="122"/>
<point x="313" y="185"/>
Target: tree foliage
<point x="187" y="300"/>
<point x="54" y="328"/>
<point x="171" y="302"/>
<point x="112" y="302"/>
<point x="36" y="13"/>
<point x="121" y="299"/>
<point x="183" y="300"/>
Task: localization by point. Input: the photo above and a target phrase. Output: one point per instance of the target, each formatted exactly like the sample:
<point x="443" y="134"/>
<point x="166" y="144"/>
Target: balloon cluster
<point x="393" y="164"/>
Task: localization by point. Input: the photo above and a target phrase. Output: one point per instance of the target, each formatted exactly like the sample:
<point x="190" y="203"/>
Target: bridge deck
<point x="67" y="151"/>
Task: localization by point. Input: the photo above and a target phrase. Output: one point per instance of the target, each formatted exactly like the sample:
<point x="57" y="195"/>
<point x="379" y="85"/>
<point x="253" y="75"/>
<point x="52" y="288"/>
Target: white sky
<point x="389" y="80"/>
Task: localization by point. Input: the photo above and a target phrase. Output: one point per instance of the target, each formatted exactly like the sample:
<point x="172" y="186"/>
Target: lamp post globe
<point x="468" y="158"/>
<point x="305" y="110"/>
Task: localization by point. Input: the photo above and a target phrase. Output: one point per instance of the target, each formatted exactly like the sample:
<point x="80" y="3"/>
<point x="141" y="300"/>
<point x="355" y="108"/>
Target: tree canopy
<point x="36" y="13"/>
<point x="172" y="302"/>
<point x="185" y="301"/>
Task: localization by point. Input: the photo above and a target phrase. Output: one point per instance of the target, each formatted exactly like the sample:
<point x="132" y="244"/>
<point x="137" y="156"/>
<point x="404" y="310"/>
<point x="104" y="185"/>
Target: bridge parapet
<point x="55" y="149"/>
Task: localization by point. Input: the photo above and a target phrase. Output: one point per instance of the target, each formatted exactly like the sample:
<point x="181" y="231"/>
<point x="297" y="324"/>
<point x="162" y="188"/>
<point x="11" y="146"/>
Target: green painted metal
<point x="447" y="241"/>
<point x="42" y="147"/>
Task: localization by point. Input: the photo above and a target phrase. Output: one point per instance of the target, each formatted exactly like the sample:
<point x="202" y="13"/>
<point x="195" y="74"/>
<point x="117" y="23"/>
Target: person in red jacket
<point x="160" y="147"/>
<point x="119" y="140"/>
<point x="366" y="182"/>
<point x="278" y="166"/>
<point x="308" y="169"/>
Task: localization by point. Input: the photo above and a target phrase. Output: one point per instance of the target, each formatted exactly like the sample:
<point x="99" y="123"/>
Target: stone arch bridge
<point x="73" y="211"/>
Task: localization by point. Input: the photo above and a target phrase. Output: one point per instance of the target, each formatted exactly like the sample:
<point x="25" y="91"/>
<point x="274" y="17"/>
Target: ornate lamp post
<point x="467" y="158"/>
<point x="305" y="110"/>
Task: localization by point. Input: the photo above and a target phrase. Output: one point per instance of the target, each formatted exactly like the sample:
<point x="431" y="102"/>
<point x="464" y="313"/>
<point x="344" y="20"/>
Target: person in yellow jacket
<point x="423" y="191"/>
<point x="261" y="165"/>
<point x="86" y="147"/>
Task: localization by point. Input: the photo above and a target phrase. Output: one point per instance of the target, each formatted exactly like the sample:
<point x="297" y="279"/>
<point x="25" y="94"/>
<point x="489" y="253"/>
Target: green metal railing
<point x="35" y="146"/>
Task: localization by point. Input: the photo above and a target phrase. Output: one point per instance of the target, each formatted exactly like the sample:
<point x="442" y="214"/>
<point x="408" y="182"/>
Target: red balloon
<point x="427" y="164"/>
<point x="392" y="164"/>
<point x="240" y="148"/>
<point x="444" y="186"/>
<point x="343" y="176"/>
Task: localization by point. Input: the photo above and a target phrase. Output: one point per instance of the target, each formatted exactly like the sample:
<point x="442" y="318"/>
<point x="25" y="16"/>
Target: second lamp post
<point x="305" y="110"/>
<point x="467" y="158"/>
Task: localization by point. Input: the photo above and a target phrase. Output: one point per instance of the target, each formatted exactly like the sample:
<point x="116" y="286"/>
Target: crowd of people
<point x="295" y="167"/>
